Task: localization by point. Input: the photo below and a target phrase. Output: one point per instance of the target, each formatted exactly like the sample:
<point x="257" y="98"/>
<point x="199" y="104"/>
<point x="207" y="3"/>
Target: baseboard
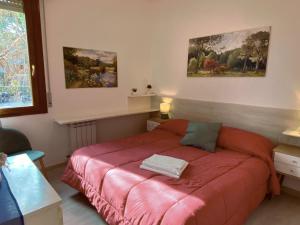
<point x="290" y="191"/>
<point x="62" y="164"/>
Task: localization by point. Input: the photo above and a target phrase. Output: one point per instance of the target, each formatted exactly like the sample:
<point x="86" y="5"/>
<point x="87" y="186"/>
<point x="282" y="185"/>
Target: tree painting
<point x="86" y="68"/>
<point x="236" y="54"/>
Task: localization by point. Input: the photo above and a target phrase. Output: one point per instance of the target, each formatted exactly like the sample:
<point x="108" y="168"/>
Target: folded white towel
<point x="160" y="171"/>
<point x="165" y="165"/>
<point x="168" y="163"/>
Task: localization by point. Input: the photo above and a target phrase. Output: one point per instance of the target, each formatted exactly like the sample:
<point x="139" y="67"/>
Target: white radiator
<point x="82" y="134"/>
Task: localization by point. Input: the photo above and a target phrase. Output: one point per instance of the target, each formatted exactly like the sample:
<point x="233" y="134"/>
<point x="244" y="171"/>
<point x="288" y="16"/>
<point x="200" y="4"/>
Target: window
<point x="22" y="81"/>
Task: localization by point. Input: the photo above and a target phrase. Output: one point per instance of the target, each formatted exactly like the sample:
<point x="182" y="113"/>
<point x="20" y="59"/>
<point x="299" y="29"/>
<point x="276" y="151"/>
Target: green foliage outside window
<point x="15" y="82"/>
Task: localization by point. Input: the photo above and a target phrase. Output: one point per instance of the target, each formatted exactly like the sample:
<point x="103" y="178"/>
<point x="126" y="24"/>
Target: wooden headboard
<point x="269" y="122"/>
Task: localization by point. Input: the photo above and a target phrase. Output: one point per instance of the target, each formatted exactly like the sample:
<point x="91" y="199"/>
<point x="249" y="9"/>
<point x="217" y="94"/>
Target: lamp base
<point x="164" y="116"/>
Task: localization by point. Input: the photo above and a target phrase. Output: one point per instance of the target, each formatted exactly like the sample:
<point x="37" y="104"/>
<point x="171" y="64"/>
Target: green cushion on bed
<point x="202" y="135"/>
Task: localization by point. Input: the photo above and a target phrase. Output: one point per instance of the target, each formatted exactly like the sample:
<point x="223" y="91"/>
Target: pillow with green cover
<point x="202" y="135"/>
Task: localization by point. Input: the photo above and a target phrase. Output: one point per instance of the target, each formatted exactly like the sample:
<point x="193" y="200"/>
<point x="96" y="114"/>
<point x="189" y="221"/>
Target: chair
<point x="13" y="142"/>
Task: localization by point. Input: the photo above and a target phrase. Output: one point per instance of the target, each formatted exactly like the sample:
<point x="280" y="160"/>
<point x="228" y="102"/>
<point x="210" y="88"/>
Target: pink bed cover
<point x="219" y="188"/>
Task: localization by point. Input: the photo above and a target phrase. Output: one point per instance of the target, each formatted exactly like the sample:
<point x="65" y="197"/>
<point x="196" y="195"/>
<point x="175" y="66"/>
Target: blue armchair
<point x="13" y="142"/>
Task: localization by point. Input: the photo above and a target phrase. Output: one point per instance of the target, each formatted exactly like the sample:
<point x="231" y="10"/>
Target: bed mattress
<point x="219" y="188"/>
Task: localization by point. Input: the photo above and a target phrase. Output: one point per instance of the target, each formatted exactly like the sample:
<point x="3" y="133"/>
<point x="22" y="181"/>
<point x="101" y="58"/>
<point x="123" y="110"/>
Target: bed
<point x="220" y="188"/>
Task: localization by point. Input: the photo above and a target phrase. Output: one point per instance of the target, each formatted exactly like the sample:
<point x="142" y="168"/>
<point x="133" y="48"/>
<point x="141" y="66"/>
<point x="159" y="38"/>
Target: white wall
<point x="177" y="21"/>
<point x="113" y="25"/>
<point x="136" y="28"/>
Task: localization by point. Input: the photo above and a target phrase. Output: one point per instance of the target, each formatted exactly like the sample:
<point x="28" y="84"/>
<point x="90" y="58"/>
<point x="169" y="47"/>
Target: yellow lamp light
<point x="164" y="110"/>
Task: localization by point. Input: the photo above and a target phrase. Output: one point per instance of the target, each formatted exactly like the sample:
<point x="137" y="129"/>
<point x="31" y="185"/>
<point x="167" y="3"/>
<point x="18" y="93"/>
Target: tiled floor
<point x="282" y="210"/>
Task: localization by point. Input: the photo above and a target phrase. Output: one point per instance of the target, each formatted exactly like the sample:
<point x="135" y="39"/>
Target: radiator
<point x="82" y="134"/>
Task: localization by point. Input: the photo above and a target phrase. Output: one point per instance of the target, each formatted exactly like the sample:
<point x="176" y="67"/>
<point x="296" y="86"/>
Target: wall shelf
<point x="90" y="116"/>
<point x="140" y="96"/>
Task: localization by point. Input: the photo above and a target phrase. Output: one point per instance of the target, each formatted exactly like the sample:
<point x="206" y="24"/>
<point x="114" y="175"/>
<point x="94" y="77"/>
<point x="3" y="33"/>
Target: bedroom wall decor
<point x="85" y="68"/>
<point x="235" y="54"/>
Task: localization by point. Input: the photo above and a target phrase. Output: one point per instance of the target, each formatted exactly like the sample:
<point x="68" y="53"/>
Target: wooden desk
<point x="92" y="116"/>
<point x="83" y="126"/>
<point x="38" y="201"/>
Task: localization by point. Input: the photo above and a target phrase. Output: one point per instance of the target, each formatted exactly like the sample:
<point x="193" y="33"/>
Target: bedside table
<point x="287" y="160"/>
<point x="154" y="122"/>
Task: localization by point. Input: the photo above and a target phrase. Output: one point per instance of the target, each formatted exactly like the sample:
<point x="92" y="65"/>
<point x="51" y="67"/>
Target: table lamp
<point x="164" y="110"/>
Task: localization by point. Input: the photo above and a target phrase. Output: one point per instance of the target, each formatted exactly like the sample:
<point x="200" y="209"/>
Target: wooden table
<point x="38" y="201"/>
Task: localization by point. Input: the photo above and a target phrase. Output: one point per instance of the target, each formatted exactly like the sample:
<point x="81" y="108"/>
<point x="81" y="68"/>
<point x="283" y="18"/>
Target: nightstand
<point x="287" y="160"/>
<point x="154" y="122"/>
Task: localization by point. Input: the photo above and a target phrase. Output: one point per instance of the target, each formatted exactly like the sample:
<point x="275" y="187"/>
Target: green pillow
<point x="202" y="135"/>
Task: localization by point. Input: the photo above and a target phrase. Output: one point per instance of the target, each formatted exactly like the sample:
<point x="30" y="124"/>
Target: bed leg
<point x="281" y="178"/>
<point x="269" y="196"/>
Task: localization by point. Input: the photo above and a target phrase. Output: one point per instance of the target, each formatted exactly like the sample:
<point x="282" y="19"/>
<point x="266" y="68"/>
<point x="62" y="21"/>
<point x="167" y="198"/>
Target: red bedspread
<point x="219" y="188"/>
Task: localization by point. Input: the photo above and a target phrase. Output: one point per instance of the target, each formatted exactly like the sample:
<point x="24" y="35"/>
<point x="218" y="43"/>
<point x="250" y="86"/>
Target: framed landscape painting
<point x="85" y="68"/>
<point x="236" y="54"/>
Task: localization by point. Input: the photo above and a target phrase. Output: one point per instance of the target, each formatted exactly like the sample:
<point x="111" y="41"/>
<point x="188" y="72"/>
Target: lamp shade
<point x="164" y="107"/>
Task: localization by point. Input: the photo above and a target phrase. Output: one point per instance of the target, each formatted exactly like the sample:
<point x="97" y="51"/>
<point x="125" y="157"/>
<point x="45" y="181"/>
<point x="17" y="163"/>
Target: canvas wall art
<point x="85" y="68"/>
<point x="236" y="54"/>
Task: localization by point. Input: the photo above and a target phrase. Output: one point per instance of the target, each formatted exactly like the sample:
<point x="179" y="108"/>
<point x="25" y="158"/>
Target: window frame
<point x="35" y="49"/>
